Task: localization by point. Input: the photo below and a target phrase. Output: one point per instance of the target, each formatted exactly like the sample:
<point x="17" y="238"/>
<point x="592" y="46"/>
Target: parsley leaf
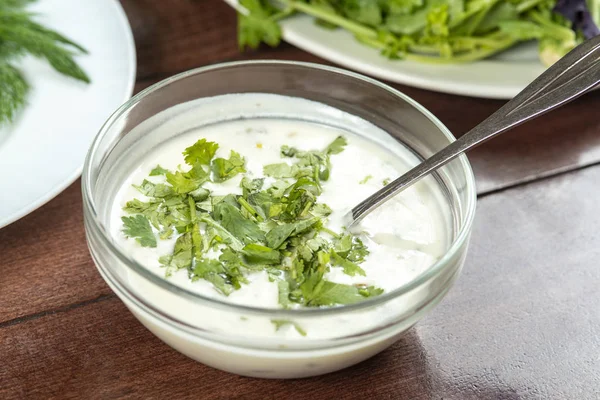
<point x="138" y="227"/>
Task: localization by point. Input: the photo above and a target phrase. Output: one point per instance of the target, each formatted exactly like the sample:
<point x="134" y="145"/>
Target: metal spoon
<point x="573" y="75"/>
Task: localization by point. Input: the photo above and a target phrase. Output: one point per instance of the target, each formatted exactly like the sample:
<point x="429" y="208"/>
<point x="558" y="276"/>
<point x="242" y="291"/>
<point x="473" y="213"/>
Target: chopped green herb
<point x="201" y="152"/>
<point x="280" y="229"/>
<point x="138" y="227"/>
<point x="226" y="169"/>
<point x="386" y="181"/>
<point x="158" y="170"/>
<point x="365" y="179"/>
<point x="279" y="323"/>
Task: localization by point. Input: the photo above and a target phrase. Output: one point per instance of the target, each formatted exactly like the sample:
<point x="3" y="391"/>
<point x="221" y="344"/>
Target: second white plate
<point x="500" y="77"/>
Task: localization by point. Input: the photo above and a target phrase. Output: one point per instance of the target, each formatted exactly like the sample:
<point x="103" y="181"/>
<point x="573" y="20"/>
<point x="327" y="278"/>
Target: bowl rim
<point x="92" y="219"/>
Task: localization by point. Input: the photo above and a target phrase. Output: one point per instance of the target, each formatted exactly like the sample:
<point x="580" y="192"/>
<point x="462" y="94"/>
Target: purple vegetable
<point x="578" y="13"/>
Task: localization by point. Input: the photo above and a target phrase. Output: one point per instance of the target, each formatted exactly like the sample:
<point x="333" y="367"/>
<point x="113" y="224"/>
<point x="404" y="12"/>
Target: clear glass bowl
<point x="199" y="332"/>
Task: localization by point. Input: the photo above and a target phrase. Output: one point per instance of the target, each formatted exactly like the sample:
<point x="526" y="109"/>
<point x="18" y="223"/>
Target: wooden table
<point x="523" y="321"/>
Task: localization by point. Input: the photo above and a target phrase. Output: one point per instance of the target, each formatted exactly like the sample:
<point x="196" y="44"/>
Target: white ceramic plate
<point x="501" y="77"/>
<point x="43" y="151"/>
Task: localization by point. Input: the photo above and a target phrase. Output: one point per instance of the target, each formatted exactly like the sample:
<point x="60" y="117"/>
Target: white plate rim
<point x="59" y="188"/>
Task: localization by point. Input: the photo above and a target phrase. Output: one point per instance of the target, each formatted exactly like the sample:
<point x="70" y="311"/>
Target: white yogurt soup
<point x="398" y="242"/>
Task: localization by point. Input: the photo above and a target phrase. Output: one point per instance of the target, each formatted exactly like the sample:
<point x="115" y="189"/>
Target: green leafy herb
<point x="279" y="323"/>
<point x="234" y="222"/>
<point x="258" y="25"/>
<point x="224" y="169"/>
<point x="365" y="179"/>
<point x="349" y="267"/>
<point x="20" y="35"/>
<point x="278" y="228"/>
<point x="158" y="170"/>
<point x="431" y="31"/>
<point x="258" y="254"/>
<point x="201" y="152"/>
<point x="138" y="227"/>
<point x="330" y="294"/>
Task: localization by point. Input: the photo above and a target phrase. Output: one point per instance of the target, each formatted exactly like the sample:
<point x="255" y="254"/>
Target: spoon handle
<point x="569" y="78"/>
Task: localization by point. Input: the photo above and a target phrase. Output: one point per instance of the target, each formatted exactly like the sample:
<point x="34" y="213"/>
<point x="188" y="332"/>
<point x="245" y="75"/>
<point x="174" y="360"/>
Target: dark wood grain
<point x="45" y="263"/>
<point x="521" y="323"/>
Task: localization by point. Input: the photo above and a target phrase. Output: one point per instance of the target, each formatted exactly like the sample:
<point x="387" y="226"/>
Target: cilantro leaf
<point x="138" y="227"/>
<point x="234" y="222"/>
<point x="280" y="170"/>
<point x="201" y="152"/>
<point x="258" y="254"/>
<point x="349" y="267"/>
<point x="276" y="236"/>
<point x="151" y="189"/>
<point x="185" y="182"/>
<point x="337" y="146"/>
<point x="182" y="254"/>
<point x="350" y="247"/>
<point x="251" y="186"/>
<point x="223" y="169"/>
<point x="158" y="170"/>
<point x="213" y="271"/>
<point x="321" y="210"/>
<point x="331" y="294"/>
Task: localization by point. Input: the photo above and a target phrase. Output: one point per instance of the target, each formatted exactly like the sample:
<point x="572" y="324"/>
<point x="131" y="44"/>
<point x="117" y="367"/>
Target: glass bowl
<point x="225" y="335"/>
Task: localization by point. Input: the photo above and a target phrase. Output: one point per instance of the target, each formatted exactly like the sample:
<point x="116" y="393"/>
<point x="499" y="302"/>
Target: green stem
<point x="329" y="231"/>
<point x="479" y="17"/>
<point x="335" y="19"/>
<point x="554" y="30"/>
<point x="527" y="5"/>
<point x="250" y="209"/>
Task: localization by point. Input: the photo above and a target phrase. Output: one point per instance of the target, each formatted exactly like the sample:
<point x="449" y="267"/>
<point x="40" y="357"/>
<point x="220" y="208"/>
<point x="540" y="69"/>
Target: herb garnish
<point x="21" y="35"/>
<point x="278" y="228"/>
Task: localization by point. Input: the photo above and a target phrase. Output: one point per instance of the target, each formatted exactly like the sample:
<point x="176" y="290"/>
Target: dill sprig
<point x="20" y="35"/>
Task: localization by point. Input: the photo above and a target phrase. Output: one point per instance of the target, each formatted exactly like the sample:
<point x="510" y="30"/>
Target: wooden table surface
<point x="522" y="322"/>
